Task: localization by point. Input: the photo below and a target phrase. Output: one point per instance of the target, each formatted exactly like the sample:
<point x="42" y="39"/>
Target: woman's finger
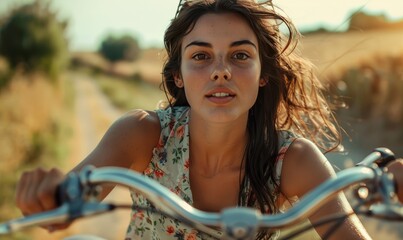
<point x="47" y="189"/>
<point x="32" y="202"/>
<point x="26" y="189"/>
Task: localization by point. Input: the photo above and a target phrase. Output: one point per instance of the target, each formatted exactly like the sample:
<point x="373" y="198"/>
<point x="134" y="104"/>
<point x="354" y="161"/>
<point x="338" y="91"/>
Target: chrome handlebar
<point x="237" y="223"/>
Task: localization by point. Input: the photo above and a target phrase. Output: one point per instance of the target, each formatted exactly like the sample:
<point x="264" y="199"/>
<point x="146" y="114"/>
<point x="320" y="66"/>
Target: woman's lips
<point x="220" y="97"/>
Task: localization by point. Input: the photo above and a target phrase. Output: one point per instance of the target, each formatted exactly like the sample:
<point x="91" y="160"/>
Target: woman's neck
<point x="217" y="147"/>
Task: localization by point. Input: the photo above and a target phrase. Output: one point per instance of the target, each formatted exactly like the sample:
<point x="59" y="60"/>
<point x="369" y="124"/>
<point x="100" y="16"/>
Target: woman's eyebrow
<point x="233" y="44"/>
<point x="243" y="42"/>
<point x="199" y="43"/>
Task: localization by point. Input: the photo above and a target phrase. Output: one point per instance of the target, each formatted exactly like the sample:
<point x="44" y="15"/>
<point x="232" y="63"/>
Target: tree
<point x="32" y="37"/>
<point x="120" y="48"/>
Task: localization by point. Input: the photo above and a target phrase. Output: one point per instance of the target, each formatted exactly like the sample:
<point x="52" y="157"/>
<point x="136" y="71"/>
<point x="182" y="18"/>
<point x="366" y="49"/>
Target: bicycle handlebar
<point x="236" y="223"/>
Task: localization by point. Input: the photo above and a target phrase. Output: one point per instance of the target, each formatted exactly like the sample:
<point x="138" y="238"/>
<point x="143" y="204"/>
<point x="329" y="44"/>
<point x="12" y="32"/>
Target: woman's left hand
<point x="396" y="168"/>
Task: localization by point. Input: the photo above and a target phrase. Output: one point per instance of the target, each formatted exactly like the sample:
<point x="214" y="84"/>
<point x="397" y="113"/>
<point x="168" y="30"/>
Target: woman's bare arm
<point x="128" y="143"/>
<point x="304" y="168"/>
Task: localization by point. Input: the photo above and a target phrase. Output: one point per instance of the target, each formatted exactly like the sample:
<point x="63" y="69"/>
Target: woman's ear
<point x="178" y="80"/>
<point x="262" y="82"/>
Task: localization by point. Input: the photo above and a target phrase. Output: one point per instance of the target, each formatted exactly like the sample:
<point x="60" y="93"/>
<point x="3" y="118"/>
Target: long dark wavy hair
<point x="291" y="100"/>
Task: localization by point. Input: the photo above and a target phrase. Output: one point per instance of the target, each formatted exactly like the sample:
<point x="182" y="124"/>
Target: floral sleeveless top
<point x="170" y="167"/>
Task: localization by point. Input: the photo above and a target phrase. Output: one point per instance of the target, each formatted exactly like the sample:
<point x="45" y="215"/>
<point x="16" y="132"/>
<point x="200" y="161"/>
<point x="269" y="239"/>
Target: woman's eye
<point x="241" y="56"/>
<point x="200" y="56"/>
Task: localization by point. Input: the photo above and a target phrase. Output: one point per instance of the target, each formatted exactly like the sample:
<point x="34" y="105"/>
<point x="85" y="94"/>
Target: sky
<point x="91" y="20"/>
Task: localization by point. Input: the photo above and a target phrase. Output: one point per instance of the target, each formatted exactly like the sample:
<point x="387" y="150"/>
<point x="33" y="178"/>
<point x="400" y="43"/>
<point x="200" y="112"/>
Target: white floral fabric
<point x="170" y="167"/>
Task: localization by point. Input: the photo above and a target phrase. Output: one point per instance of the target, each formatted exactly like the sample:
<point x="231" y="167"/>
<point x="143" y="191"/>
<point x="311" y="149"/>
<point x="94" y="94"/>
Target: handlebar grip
<point x="380" y="156"/>
<point x="387" y="156"/>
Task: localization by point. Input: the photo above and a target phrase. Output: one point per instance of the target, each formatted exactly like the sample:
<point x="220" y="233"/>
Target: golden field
<point x="331" y="53"/>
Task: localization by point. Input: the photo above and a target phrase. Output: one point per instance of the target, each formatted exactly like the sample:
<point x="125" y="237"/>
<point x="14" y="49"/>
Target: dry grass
<point x="24" y="110"/>
<point x="33" y="124"/>
<point x="333" y="53"/>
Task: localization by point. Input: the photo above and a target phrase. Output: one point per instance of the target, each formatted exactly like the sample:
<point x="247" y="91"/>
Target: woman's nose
<point x="221" y="71"/>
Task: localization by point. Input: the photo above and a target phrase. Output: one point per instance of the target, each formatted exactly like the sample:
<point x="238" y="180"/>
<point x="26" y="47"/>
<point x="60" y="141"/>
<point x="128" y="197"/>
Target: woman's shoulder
<point x="304" y="160"/>
<point x="148" y="123"/>
<point x="139" y="120"/>
<point x="139" y="129"/>
<point x="303" y="153"/>
<point x="128" y="142"/>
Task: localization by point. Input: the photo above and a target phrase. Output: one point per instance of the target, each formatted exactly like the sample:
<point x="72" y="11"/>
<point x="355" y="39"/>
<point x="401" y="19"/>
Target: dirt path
<point x="93" y="115"/>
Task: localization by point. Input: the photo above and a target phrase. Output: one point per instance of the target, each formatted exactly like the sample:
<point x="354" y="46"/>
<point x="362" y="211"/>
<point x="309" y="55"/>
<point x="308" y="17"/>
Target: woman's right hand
<point x="36" y="192"/>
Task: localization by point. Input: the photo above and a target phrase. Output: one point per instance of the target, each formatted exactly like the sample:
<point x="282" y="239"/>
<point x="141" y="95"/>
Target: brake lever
<point x="79" y="196"/>
<point x="75" y="198"/>
<point x="380" y="156"/>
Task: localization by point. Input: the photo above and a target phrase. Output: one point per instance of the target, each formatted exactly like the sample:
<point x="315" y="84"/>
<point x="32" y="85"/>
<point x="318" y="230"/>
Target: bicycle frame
<point x="79" y="194"/>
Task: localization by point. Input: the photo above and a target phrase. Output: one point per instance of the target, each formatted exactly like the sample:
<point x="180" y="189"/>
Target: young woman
<point x="245" y="125"/>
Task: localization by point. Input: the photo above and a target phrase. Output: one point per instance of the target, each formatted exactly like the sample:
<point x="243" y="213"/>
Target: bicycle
<point x="374" y="189"/>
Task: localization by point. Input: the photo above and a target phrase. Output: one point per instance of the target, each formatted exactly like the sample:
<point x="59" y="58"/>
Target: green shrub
<point x="120" y="48"/>
<point x="33" y="38"/>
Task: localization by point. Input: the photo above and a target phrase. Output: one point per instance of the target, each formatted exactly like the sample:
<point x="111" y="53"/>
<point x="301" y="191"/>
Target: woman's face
<point x="220" y="68"/>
